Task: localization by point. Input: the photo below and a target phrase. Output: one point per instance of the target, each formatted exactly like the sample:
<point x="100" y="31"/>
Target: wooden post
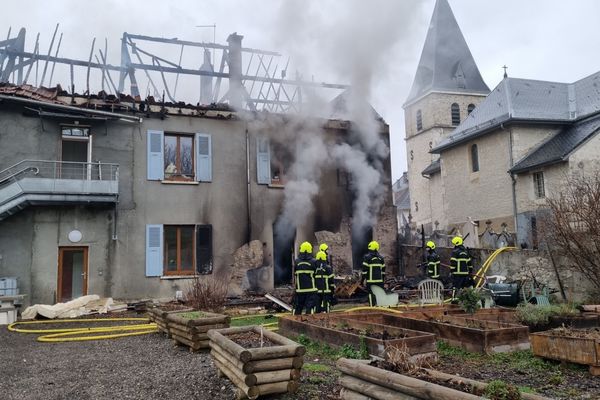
<point x="372" y="390"/>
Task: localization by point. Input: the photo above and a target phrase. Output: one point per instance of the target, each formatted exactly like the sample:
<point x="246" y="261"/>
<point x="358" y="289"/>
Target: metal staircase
<point x="40" y="182"/>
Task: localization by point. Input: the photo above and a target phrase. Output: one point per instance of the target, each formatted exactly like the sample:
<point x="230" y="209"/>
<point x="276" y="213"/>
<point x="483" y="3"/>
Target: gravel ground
<point x="138" y="367"/>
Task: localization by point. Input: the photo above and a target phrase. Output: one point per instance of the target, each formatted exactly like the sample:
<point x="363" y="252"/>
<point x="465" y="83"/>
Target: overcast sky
<point x="554" y="40"/>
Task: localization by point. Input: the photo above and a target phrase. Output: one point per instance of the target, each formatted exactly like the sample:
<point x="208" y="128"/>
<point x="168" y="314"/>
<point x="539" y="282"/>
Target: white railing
<point x="59" y="170"/>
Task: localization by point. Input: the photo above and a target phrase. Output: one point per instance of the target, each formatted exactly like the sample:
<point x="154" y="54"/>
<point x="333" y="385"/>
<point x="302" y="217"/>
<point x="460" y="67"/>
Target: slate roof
<point x="560" y="146"/>
<point x="432" y="168"/>
<point x="528" y="100"/>
<point x="446" y="62"/>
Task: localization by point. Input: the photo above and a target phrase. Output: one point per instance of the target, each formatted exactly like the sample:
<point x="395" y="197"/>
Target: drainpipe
<point x="248" y="204"/>
<point x="512" y="177"/>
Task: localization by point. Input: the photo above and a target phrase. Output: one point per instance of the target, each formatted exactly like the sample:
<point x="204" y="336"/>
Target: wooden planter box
<point x="471" y="334"/>
<point x="257" y="371"/>
<point x="159" y="316"/>
<point x="361" y="381"/>
<point x="193" y="332"/>
<point x="567" y="348"/>
<point x="420" y="344"/>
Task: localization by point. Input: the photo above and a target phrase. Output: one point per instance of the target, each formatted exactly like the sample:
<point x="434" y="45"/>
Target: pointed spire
<point x="446" y="62"/>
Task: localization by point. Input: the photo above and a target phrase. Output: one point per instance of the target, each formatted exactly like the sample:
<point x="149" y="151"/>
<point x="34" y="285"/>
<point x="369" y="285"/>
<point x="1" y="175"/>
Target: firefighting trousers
<point x="307" y="301"/>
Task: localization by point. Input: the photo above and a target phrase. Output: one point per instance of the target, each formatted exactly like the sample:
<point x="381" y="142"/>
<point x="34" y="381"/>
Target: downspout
<point x="248" y="204"/>
<point x="512" y="177"/>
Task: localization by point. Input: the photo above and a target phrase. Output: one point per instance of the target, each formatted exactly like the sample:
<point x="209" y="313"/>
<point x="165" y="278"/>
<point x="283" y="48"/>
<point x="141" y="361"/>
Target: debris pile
<point x="249" y="268"/>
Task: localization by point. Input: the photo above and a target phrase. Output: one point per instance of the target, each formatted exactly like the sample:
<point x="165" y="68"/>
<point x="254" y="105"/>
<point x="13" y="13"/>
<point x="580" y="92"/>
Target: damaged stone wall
<point x="386" y="233"/>
<point x="340" y="247"/>
<point x="251" y="269"/>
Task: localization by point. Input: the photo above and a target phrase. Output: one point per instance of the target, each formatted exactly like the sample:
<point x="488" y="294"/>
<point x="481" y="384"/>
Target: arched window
<point x="474" y="158"/>
<point x="470" y="108"/>
<point x="455" y="112"/>
<point x="419" y="120"/>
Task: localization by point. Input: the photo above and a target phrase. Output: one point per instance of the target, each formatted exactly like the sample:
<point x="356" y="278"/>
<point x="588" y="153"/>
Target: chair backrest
<point x="431" y="291"/>
<point x="384" y="299"/>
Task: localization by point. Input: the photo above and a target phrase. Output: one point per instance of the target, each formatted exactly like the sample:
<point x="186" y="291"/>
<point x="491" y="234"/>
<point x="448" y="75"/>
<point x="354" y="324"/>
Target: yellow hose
<point x="59" y="335"/>
<point x="486" y="265"/>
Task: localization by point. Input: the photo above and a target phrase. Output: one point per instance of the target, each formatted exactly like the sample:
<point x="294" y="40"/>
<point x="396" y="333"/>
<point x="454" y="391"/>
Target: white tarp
<point x="72" y="309"/>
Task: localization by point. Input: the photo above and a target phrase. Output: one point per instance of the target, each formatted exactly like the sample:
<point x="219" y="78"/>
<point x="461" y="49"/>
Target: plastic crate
<point x="8" y="315"/>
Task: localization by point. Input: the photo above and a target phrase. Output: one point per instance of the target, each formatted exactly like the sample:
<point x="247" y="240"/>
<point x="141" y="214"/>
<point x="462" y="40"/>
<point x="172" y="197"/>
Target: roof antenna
<point x="505" y="68"/>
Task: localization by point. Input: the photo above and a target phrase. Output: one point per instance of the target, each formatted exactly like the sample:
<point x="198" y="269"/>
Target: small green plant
<point x="444" y="349"/>
<point x="316" y="368"/>
<point x="303" y="340"/>
<point x="556" y="379"/>
<point x="500" y="390"/>
<point x="364" y="351"/>
<point x="469" y="300"/>
<point x="532" y="315"/>
<point x="347" y="351"/>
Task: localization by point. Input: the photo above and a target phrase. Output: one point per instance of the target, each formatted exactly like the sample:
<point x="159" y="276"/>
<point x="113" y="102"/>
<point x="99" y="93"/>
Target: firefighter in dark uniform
<point x="306" y="289"/>
<point x="373" y="270"/>
<point x="461" y="266"/>
<point x="325" y="249"/>
<point x="433" y="261"/>
<point x="324" y="281"/>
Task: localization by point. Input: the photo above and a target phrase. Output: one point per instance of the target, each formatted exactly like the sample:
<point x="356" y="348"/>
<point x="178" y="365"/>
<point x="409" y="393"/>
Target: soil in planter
<point x="344" y="327"/>
<point x="250" y="340"/>
<point x="192" y="315"/>
<point x="593" y="333"/>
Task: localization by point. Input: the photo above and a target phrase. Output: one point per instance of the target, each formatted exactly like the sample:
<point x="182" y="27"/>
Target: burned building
<point x="131" y="198"/>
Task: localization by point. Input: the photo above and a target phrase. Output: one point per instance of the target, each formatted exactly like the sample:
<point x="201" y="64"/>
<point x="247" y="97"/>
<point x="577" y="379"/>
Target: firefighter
<point x="461" y="266"/>
<point x="325" y="249"/>
<point x="306" y="289"/>
<point x="433" y="261"/>
<point x="324" y="282"/>
<point x="373" y="270"/>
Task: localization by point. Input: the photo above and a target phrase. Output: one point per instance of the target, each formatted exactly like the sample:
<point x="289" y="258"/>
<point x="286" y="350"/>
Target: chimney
<point x="235" y="70"/>
<point x="206" y="81"/>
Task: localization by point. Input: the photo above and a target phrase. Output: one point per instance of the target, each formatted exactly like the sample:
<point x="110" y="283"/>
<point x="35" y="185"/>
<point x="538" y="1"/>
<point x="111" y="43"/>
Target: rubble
<point x="340" y="247"/>
<point x="248" y="268"/>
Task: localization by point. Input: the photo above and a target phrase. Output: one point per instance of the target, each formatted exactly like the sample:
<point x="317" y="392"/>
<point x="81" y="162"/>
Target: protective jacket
<point x="460" y="261"/>
<point x="305" y="274"/>
<point x="324" y="277"/>
<point x="433" y="264"/>
<point x="373" y="268"/>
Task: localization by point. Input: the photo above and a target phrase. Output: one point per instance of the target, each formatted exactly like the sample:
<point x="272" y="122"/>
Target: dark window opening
<point x="280" y="163"/>
<point x="412" y="155"/>
<point x="179" y="157"/>
<point x="474" y="158"/>
<point x="419" y="120"/>
<point x="455" y="113"/>
<point x="470" y="108"/>
<point x="283" y="257"/>
<point x="360" y="241"/>
<point x="179" y="249"/>
<point x="204" y="258"/>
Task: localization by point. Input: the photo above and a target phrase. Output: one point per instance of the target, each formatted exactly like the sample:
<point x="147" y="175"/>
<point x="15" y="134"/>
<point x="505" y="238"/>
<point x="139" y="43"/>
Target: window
<point x="474" y="158"/>
<point x="75" y="132"/>
<point x="455" y="113"/>
<point x="470" y="108"/>
<point x="538" y="185"/>
<point x="179" y="249"/>
<point x="419" y="120"/>
<point x="179" y="157"/>
<point x="273" y="161"/>
<point x="416" y="206"/>
<point x="279" y="163"/>
<point x="412" y="155"/>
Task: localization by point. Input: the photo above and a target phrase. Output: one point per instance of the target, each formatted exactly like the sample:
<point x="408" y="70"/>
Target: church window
<point x="412" y="155"/>
<point x="419" y="120"/>
<point x="470" y="108"/>
<point x="455" y="113"/>
<point x="474" y="158"/>
<point x="538" y="185"/>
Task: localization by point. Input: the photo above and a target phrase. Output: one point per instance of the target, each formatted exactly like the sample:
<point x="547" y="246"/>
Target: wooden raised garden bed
<point x="570" y="345"/>
<point x="376" y="337"/>
<point x="191" y="328"/>
<point x="256" y="360"/>
<point x="471" y="334"/>
<point x="159" y="316"/>
<point x="361" y="381"/>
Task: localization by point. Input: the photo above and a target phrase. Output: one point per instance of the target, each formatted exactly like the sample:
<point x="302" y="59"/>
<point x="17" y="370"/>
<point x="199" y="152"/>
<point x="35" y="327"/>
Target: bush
<point x="469" y="300"/>
<point x="500" y="390"/>
<point x="532" y="315"/>
<point x="207" y="294"/>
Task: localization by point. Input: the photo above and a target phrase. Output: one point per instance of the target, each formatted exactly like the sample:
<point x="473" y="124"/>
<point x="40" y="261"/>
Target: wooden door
<point x="72" y="273"/>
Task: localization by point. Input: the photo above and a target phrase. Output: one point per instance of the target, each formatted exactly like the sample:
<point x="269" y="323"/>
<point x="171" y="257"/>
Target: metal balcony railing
<point x="59" y="170"/>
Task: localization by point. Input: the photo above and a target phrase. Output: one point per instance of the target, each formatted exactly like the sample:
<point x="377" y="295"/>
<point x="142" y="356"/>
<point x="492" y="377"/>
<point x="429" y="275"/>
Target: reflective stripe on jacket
<point x="433" y="265"/>
<point x="305" y="275"/>
<point x="460" y="261"/>
<point x="323" y="277"/>
<point x="373" y="270"/>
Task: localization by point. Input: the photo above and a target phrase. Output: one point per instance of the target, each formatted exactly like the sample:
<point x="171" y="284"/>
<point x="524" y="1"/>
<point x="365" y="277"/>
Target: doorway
<point x="283" y="256"/>
<point x="76" y="153"/>
<point x="72" y="273"/>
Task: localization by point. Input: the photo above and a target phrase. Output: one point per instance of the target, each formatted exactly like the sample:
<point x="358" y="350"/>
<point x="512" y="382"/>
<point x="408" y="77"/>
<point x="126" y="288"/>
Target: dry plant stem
<point x="208" y="294"/>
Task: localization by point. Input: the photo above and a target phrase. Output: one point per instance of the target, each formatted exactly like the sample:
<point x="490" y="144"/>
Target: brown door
<point x="72" y="272"/>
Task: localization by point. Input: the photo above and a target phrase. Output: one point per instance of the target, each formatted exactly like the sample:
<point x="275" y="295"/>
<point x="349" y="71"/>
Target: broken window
<point x="179" y="249"/>
<point x="179" y="157"/>
<point x="455" y="113"/>
<point x="474" y="158"/>
<point x="280" y="162"/>
<point x="419" y="120"/>
<point x="538" y="185"/>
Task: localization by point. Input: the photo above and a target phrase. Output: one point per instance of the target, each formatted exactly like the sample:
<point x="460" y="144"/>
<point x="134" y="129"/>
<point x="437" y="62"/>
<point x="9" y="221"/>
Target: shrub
<point x="469" y="300"/>
<point x="500" y="390"/>
<point x="207" y="294"/>
<point x="531" y="314"/>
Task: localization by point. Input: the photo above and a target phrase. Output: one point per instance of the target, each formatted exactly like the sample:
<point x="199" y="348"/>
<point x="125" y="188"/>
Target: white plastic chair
<point x="431" y="291"/>
<point x="384" y="299"/>
<point x="495" y="279"/>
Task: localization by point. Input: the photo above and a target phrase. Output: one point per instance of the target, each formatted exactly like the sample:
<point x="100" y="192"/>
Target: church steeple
<point x="446" y="63"/>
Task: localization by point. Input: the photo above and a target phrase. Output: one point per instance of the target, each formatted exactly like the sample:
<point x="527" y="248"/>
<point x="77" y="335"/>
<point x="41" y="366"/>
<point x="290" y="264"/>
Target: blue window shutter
<point x="203" y="157"/>
<point x="156" y="158"/>
<point x="154" y="250"/>
<point x="263" y="161"/>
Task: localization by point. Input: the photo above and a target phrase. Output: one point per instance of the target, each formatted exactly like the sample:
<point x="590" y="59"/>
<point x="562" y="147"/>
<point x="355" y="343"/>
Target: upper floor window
<point x="179" y="157"/>
<point x="538" y="185"/>
<point x="419" y="120"/>
<point x="75" y="132"/>
<point x="470" y="108"/>
<point x="455" y="113"/>
<point x="273" y="162"/>
<point x="474" y="158"/>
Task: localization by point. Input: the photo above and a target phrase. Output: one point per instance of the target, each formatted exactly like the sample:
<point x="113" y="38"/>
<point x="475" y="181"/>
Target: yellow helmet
<point x="306" y="247"/>
<point x="323" y="247"/>
<point x="373" y="246"/>
<point x="321" y="256"/>
<point x="431" y="245"/>
<point x="457" y="241"/>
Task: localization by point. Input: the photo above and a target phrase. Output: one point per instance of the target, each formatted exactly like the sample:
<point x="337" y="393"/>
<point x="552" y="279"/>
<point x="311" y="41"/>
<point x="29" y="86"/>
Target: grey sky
<point x="553" y="40"/>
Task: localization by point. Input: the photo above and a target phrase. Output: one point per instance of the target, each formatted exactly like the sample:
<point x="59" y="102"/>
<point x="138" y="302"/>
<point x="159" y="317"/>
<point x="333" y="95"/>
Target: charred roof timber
<point x="257" y="88"/>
